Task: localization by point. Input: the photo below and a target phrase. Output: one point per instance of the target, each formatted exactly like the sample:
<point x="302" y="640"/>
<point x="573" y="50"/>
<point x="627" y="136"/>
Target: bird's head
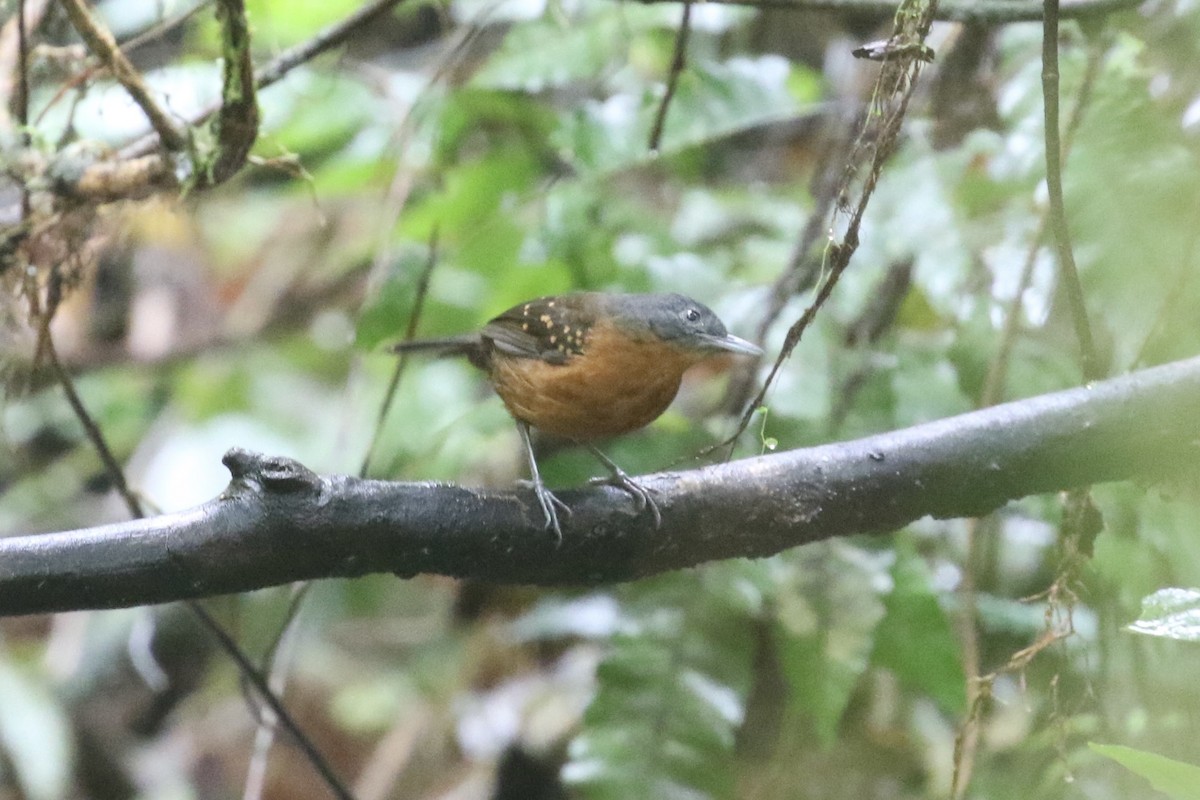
<point x="680" y="321"/>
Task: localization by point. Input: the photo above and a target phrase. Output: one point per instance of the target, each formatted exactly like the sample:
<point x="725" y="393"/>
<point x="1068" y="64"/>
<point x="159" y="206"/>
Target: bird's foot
<point x="642" y="496"/>
<point x="549" y="504"/>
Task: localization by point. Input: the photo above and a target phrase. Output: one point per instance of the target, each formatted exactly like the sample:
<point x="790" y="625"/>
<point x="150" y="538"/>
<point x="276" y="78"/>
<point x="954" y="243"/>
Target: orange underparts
<point x="616" y="385"/>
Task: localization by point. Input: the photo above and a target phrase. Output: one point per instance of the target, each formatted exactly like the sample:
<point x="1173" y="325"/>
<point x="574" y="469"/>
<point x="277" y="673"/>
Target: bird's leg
<point x="546" y="498"/>
<point x="641" y="495"/>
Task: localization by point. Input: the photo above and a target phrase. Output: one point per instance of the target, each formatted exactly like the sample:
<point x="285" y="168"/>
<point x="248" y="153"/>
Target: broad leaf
<point x="1170" y="613"/>
<point x="1177" y="779"/>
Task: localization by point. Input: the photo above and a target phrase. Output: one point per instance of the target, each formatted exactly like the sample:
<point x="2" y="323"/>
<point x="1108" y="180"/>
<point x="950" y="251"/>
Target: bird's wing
<point x="549" y="328"/>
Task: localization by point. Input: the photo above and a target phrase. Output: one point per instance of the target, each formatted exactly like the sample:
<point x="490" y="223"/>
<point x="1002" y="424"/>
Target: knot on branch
<point x="86" y="171"/>
<point x="273" y="473"/>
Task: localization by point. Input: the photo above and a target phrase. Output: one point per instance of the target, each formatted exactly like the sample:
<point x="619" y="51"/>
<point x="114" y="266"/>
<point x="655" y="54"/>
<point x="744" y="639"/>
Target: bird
<point x="587" y="366"/>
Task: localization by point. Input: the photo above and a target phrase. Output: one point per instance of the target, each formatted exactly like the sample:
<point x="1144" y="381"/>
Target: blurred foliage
<point x="508" y="143"/>
<point x="670" y="692"/>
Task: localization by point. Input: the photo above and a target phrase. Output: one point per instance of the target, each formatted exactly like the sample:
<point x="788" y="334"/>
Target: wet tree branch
<point x="278" y="522"/>
<point x="986" y="12"/>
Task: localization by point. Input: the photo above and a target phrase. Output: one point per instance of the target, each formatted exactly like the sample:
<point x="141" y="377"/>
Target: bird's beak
<point x="732" y="344"/>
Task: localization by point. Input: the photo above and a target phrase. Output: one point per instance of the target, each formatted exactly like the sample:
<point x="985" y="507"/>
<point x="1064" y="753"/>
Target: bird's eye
<point x="691" y="315"/>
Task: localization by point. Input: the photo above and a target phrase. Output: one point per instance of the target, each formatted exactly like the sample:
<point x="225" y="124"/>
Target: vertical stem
<point x="22" y="99"/>
<point x="1073" y="289"/>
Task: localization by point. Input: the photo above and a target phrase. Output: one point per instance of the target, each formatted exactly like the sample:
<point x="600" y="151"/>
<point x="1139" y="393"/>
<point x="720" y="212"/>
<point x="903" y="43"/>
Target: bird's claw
<point x="642" y="497"/>
<point x="548" y="502"/>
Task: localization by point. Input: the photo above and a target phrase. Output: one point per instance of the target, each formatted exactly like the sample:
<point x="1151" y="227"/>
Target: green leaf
<point x="1170" y="613"/>
<point x="915" y="640"/>
<point x="1177" y="779"/>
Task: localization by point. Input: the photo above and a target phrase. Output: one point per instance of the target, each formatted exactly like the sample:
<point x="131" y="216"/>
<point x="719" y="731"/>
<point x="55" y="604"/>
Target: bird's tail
<point x="466" y="345"/>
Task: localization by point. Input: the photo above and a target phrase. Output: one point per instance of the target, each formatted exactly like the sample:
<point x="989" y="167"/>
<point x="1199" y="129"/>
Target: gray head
<point x="679" y="320"/>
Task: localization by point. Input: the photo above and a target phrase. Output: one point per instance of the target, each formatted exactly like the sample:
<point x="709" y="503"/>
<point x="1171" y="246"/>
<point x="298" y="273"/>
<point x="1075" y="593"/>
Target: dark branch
<point x="236" y="123"/>
<point x="985" y="12"/>
<point x="278" y="522"/>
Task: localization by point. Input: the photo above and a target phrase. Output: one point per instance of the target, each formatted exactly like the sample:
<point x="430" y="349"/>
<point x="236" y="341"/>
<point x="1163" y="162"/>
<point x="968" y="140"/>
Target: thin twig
<point x="1069" y="274"/>
<point x="678" y="62"/>
<point x="276" y="663"/>
<point x="163" y="27"/>
<point x="877" y="317"/>
<point x="94" y="435"/>
<point x="102" y="44"/>
<point x="993" y="385"/>
<point x="389" y="395"/>
<point x="966" y="740"/>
